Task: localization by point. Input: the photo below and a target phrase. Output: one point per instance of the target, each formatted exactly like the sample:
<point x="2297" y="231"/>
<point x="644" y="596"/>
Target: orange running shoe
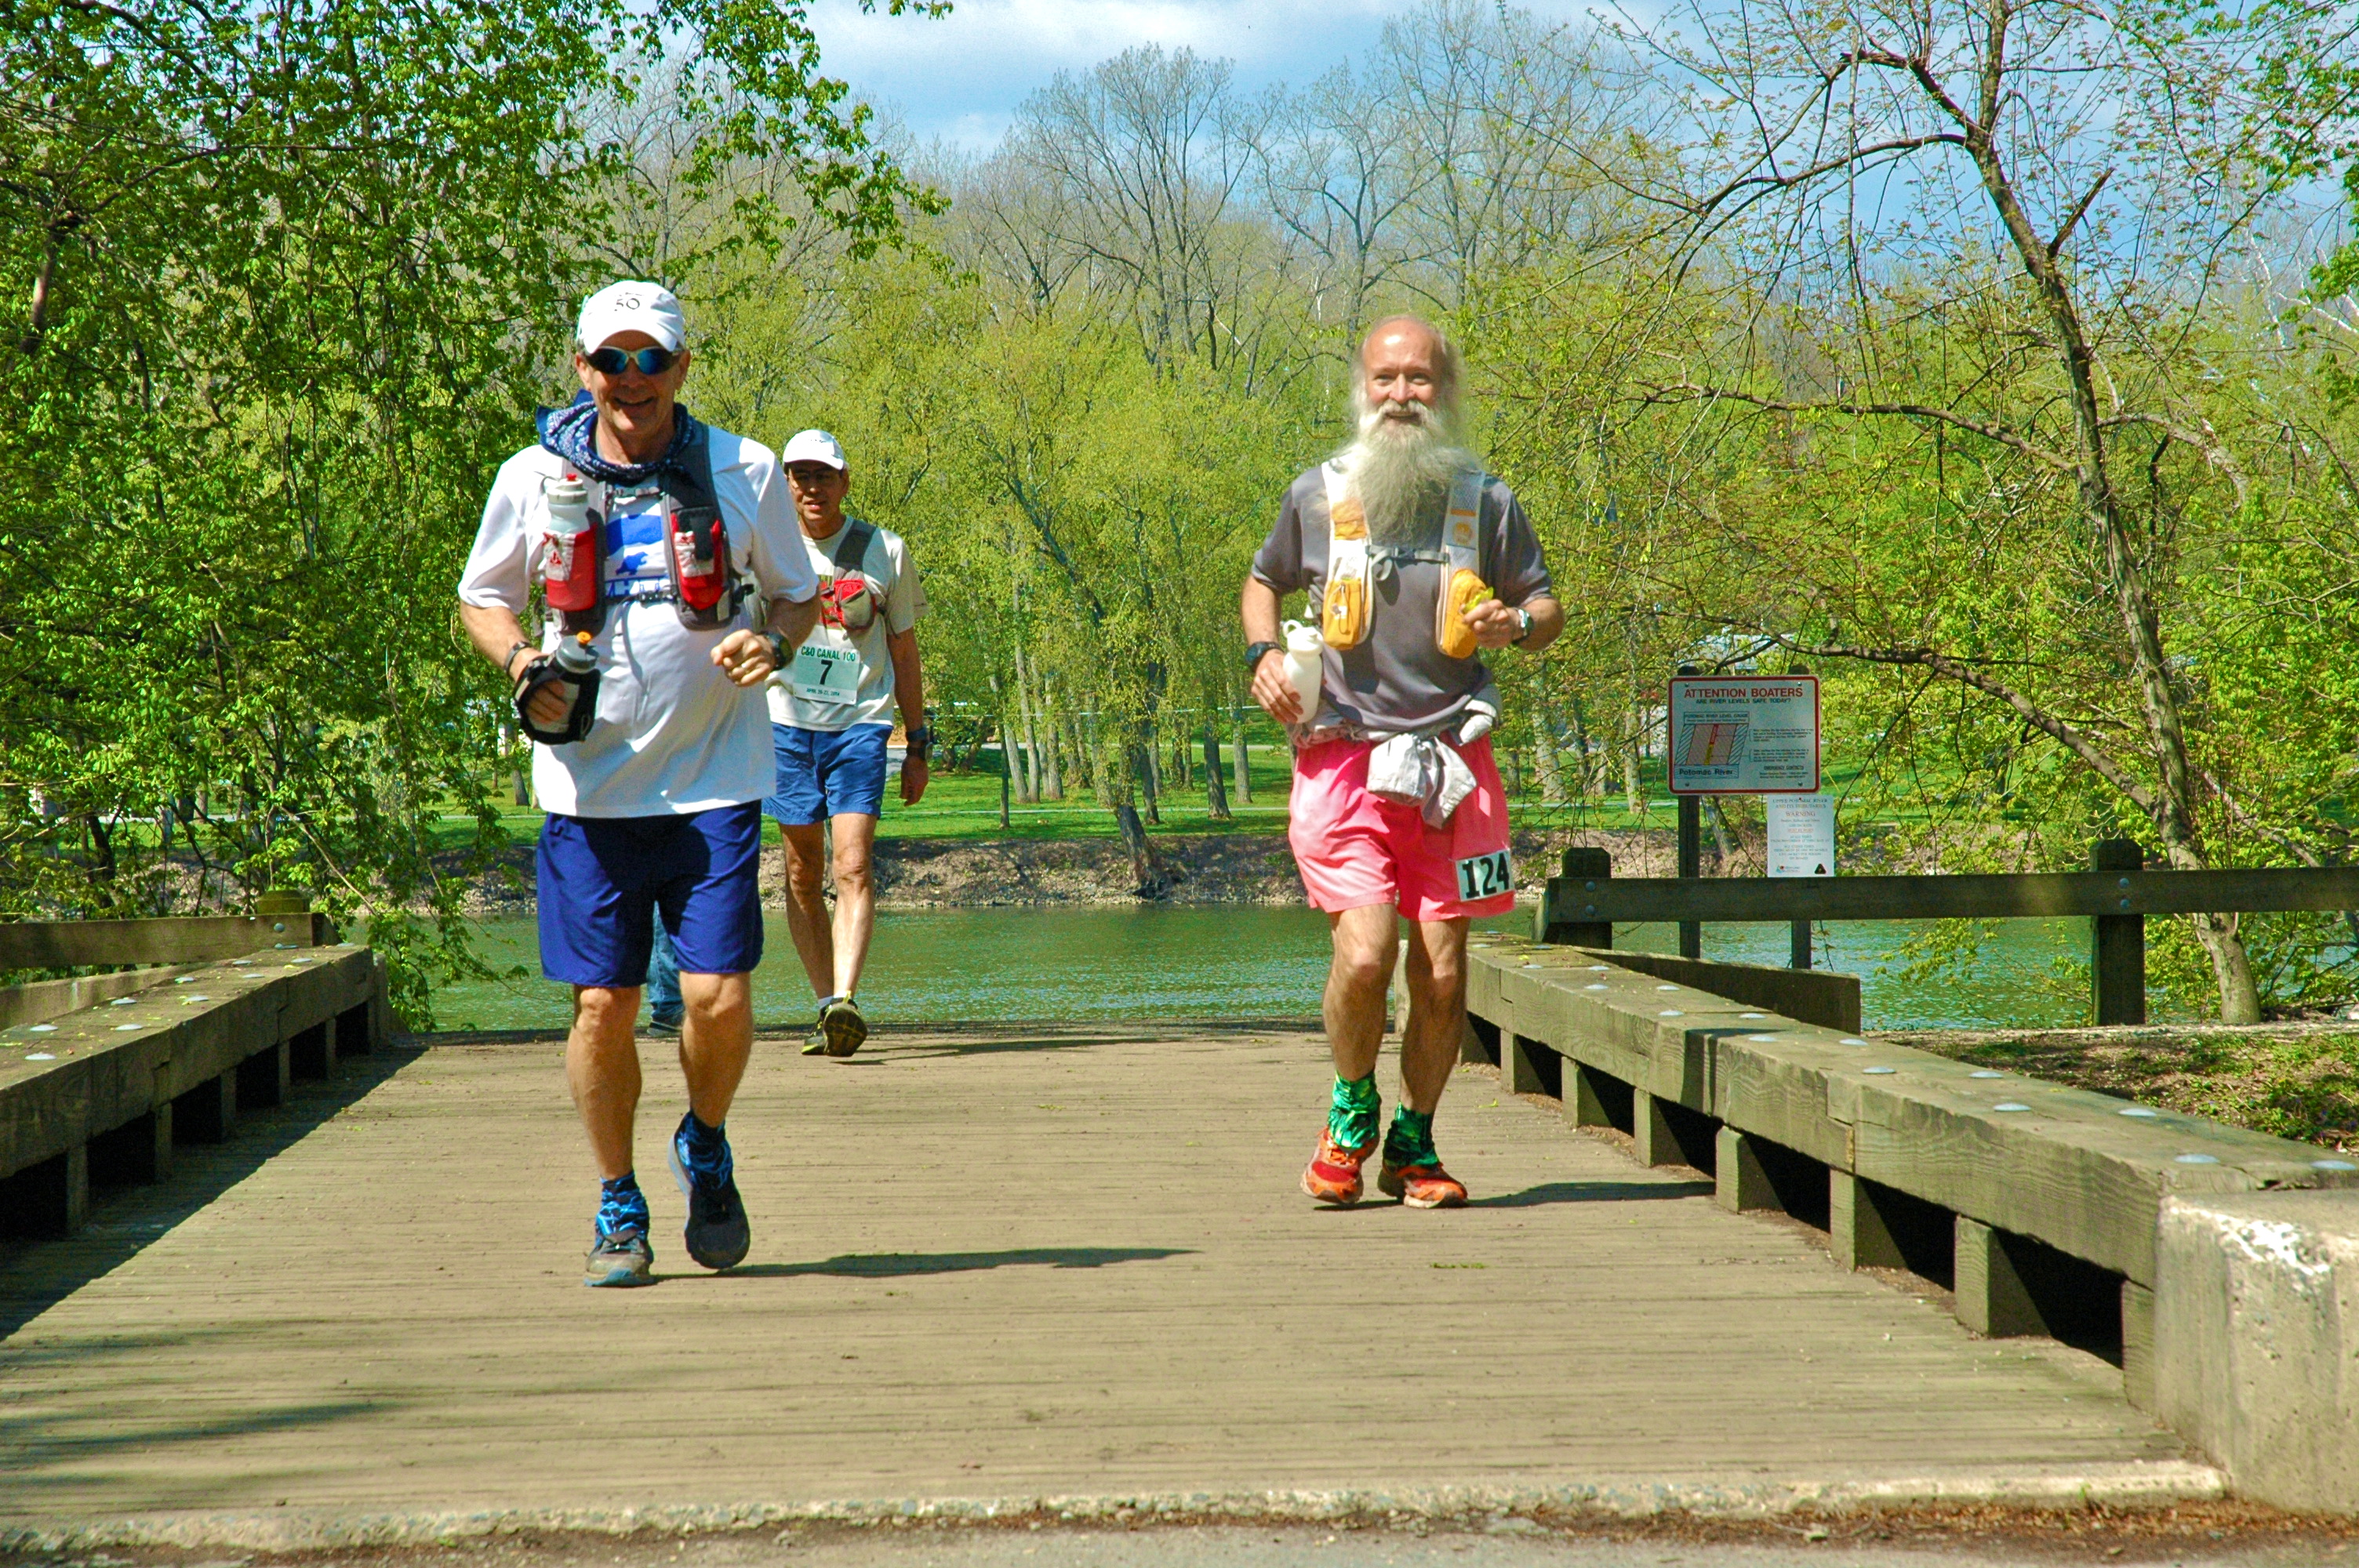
<point x="1426" y="1185"/>
<point x="1333" y="1174"/>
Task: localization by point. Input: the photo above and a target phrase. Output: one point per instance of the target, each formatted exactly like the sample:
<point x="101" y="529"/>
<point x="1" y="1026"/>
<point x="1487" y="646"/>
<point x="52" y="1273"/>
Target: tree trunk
<point x="1242" y="762"/>
<point x="1216" y="796"/>
<point x="1052" y="754"/>
<point x="1544" y="755"/>
<point x="2175" y="805"/>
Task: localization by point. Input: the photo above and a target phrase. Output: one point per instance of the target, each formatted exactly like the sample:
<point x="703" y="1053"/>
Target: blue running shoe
<point x="717" y="1236"/>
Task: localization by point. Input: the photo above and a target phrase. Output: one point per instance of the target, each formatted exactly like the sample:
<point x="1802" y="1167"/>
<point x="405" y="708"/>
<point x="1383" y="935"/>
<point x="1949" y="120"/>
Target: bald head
<point x="1406" y="359"/>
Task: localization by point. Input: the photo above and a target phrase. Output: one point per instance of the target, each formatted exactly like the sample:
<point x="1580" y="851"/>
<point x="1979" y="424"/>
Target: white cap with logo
<point x="813" y="447"/>
<point x="633" y="306"/>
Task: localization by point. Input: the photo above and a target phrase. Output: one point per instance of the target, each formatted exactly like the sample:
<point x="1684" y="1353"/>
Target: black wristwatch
<point x="1253" y="652"/>
<point x="780" y="651"/>
<point x="920" y="739"/>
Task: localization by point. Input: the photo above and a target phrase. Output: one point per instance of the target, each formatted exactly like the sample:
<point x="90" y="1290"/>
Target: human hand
<point x="1274" y="691"/>
<point x="548" y="705"/>
<point x="1496" y="625"/>
<point x="914" y="773"/>
<point x="745" y="657"/>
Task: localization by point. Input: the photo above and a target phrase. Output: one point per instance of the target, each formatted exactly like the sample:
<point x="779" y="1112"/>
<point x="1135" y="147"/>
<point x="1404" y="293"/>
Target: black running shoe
<point x="718" y="1235"/>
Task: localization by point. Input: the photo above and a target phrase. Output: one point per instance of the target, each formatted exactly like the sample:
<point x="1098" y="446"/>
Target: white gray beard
<point x="1401" y="473"/>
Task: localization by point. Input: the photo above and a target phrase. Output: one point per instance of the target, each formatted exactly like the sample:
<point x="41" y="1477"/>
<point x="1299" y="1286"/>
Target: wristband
<point x="920" y="739"/>
<point x="1254" y="652"/>
<point x="507" y="660"/>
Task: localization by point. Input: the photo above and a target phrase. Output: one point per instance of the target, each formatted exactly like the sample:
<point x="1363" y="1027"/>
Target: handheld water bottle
<point x="573" y="668"/>
<point x="1305" y="653"/>
<point x="569" y="556"/>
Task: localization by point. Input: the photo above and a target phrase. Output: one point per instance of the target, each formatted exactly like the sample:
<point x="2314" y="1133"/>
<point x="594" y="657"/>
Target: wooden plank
<point x="179" y="939"/>
<point x="106" y="1066"/>
<point x="1815" y="996"/>
<point x="37" y="1002"/>
<point x="2028" y="895"/>
<point x="326" y="1332"/>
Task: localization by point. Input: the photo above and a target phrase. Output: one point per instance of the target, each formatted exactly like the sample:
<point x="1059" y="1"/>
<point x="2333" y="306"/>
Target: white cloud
<point x="961" y="77"/>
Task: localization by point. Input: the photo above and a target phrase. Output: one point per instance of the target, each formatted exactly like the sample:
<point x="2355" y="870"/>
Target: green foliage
<point x="284" y="287"/>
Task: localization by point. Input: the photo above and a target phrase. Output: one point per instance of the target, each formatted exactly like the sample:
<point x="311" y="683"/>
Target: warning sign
<point x="1801" y="835"/>
<point x="1744" y="734"/>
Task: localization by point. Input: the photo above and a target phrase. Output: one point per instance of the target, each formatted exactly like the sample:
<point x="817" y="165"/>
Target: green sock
<point x="1353" y="1113"/>
<point x="1411" y="1141"/>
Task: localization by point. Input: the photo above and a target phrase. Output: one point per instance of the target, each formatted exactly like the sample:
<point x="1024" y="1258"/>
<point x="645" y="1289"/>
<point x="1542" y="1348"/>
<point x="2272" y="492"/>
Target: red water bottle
<point x="699" y="558"/>
<point x="569" y="558"/>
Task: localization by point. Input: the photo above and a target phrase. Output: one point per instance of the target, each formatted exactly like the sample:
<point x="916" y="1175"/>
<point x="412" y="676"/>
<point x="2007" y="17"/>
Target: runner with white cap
<point x="673" y="588"/>
<point x="830" y="716"/>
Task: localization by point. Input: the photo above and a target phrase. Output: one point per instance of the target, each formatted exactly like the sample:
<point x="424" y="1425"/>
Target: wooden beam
<point x="178" y="939"/>
<point x="2021" y="895"/>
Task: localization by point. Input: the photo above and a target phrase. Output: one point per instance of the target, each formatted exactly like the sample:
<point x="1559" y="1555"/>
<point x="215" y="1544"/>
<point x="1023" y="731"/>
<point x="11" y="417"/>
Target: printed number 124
<point x="1485" y="876"/>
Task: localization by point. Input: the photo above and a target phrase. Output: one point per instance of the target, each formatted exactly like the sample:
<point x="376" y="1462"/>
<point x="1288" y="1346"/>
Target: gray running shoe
<point x="717" y="1235"/>
<point x="844" y="1028"/>
<point x="619" y="1258"/>
<point x="665" y="1026"/>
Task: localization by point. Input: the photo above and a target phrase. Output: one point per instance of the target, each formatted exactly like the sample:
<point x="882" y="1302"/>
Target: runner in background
<point x="830" y="715"/>
<point x="1414" y="559"/>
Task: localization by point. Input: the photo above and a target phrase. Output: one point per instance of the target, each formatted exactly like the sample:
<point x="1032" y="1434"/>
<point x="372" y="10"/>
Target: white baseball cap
<point x="813" y="447"/>
<point x="633" y="306"/>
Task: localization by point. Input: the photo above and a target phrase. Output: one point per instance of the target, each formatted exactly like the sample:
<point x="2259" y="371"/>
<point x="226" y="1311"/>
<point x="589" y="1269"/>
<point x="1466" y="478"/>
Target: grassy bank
<point x="2294" y="1080"/>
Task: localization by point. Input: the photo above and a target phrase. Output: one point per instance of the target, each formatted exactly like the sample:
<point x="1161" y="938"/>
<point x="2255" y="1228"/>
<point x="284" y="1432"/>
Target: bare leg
<point x="601" y="1067"/>
<point x="855" y="896"/>
<point x="806" y="917"/>
<point x="716" y="1039"/>
<point x="1356" y="980"/>
<point x="1437" y="1010"/>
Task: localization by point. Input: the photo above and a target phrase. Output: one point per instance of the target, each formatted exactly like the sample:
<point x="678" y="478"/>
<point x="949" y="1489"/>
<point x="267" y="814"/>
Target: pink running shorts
<point x="1355" y="848"/>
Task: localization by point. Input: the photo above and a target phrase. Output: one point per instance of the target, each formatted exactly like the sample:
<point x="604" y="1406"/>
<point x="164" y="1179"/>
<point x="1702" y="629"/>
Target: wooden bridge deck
<point x="986" y="1265"/>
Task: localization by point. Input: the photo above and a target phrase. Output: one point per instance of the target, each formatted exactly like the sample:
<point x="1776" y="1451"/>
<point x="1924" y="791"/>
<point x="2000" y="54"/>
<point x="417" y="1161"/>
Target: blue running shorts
<point x="604" y="880"/>
<point x="824" y="773"/>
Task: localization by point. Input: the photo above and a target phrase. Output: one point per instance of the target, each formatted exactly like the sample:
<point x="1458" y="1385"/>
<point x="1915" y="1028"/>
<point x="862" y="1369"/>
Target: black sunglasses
<point x="614" y="361"/>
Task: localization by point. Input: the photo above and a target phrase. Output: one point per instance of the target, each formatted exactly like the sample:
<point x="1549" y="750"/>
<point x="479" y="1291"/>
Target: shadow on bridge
<point x="1594" y="1192"/>
<point x="900" y="1265"/>
<point x="35" y="1275"/>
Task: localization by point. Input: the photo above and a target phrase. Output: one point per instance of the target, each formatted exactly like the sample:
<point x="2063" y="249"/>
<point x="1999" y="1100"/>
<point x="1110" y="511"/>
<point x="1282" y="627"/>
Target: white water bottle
<point x="1305" y="653"/>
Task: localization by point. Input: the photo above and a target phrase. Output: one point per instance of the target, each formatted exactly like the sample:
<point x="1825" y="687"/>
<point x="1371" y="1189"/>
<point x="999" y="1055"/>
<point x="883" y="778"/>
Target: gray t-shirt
<point x="1397" y="679"/>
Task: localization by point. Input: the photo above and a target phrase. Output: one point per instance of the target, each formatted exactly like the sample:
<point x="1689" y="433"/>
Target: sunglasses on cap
<point x="614" y="361"/>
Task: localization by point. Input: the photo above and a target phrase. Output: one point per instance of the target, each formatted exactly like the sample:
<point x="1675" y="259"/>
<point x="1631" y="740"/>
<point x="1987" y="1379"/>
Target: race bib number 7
<point x="1486" y="876"/>
<point x="826" y="675"/>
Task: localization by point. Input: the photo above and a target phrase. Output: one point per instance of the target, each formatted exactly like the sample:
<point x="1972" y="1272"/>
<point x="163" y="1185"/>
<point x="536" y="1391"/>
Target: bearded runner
<point x="1414" y="560"/>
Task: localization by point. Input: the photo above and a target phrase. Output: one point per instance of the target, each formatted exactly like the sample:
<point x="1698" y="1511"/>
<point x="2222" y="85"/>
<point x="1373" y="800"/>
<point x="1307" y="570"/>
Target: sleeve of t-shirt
<point x="904" y="600"/>
<point x="1521" y="573"/>
<point x="1278" y="562"/>
<point x="499" y="566"/>
<point x="776" y="553"/>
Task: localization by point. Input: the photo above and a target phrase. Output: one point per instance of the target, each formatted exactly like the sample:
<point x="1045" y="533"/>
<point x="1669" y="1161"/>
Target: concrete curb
<point x="2122" y="1486"/>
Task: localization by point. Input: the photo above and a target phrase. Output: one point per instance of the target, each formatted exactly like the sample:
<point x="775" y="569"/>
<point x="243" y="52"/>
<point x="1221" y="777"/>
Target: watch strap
<point x="1256" y="651"/>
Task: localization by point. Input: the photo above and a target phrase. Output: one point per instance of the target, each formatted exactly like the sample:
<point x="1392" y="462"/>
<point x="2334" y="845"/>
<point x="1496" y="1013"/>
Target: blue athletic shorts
<point x="823" y="773"/>
<point x="604" y="880"/>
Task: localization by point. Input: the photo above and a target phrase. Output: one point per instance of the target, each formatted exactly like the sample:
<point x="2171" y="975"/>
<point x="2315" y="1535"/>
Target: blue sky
<point x="962" y="76"/>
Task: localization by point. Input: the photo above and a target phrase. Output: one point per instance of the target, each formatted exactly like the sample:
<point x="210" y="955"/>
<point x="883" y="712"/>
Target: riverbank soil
<point x="989" y="1267"/>
<point x="1189" y="868"/>
<point x="2293" y="1080"/>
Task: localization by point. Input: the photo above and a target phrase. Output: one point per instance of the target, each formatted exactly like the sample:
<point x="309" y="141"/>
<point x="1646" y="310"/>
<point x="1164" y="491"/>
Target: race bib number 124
<point x="1486" y="876"/>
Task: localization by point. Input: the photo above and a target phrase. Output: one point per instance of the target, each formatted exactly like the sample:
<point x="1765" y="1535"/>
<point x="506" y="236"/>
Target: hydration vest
<point x="1349" y="604"/>
<point x="847" y="597"/>
<point x="701" y="581"/>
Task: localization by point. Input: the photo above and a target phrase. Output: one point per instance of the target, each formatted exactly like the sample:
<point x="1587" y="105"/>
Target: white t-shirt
<point x="824" y="663"/>
<point x="674" y="734"/>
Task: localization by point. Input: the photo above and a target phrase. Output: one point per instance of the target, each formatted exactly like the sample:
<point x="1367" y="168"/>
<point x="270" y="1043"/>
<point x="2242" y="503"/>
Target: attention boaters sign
<point x="1744" y="734"/>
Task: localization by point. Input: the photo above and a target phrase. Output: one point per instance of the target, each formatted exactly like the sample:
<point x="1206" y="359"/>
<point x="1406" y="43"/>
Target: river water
<point x="1250" y="962"/>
